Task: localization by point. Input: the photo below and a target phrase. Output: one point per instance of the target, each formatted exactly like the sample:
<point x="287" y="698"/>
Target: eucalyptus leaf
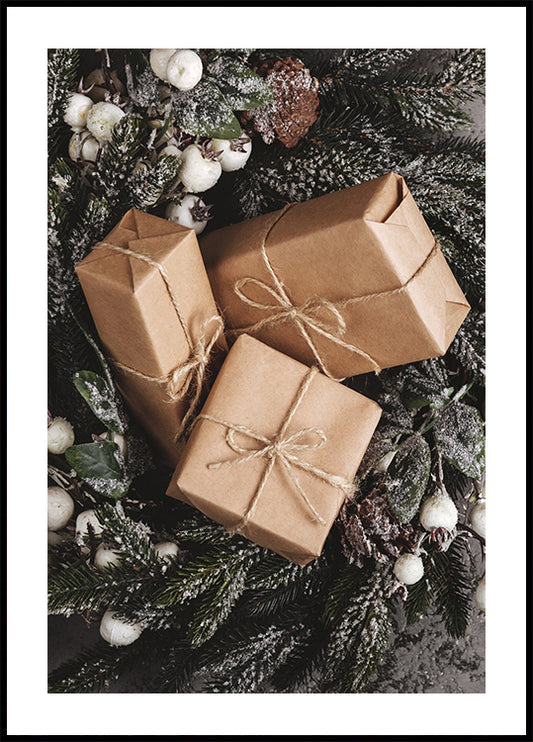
<point x="101" y="399"/>
<point x="95" y="460"/>
<point x="242" y="87"/>
<point x="407" y="477"/>
<point x="204" y="110"/>
<point x="460" y="437"/>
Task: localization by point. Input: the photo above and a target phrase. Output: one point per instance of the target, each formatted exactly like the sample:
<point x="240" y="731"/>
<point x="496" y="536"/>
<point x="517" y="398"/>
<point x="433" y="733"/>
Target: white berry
<point x="105" y="556"/>
<point x="159" y="61"/>
<point x="231" y="159"/>
<point x="83" y="520"/>
<point x="77" y="111"/>
<point x="182" y="213"/>
<point x="479" y="595"/>
<point x="60" y="435"/>
<point x="117" y="632"/>
<point x="438" y="511"/>
<point x="409" y="568"/>
<point x="102" y="119"/>
<point x="166" y="549"/>
<point x="60" y="508"/>
<point x="477" y="518"/>
<point x="83" y="146"/>
<point x="196" y="172"/>
<point x="184" y="69"/>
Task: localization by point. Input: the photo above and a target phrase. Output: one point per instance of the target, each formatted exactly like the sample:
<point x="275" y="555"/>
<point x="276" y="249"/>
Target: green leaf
<point x="242" y="87"/>
<point x="101" y="399"/>
<point x="460" y="437"/>
<point x="407" y="477"/>
<point x="204" y="110"/>
<point x="95" y="460"/>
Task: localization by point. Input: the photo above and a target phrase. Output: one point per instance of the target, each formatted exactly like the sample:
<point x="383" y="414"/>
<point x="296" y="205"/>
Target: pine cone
<point x="294" y="108"/>
<point x="368" y="528"/>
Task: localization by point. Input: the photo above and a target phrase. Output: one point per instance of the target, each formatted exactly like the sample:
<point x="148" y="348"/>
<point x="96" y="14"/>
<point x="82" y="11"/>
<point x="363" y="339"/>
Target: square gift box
<point x="352" y="281"/>
<point x="274" y="452"/>
<point x="152" y="305"/>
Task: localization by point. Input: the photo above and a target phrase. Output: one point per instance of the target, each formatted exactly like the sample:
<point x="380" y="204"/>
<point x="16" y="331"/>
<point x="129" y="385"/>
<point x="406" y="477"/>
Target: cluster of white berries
<point x="182" y="68"/>
<point x="439" y="511"/>
<point x="91" y="118"/>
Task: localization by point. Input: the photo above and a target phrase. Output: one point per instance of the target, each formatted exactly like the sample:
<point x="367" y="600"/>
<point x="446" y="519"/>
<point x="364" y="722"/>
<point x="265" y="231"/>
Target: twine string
<point x="186" y="379"/>
<point x="305" y="316"/>
<point x="281" y="448"/>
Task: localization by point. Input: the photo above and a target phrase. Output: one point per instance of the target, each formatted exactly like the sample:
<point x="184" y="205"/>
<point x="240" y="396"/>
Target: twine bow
<point x="282" y="448"/>
<point x="305" y="316"/>
<point x="188" y="378"/>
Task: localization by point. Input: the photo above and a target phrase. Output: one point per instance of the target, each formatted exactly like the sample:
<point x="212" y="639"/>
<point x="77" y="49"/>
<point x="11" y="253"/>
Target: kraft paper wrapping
<point x="365" y="239"/>
<point x="137" y="322"/>
<point x="255" y="388"/>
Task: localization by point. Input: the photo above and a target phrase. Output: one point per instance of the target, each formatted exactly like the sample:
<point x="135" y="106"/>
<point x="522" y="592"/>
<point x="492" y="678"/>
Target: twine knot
<point x="282" y="448"/>
<point x="310" y="315"/>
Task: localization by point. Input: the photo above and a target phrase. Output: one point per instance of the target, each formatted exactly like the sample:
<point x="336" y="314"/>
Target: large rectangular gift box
<point x="352" y="281"/>
<point x="152" y="305"/>
<point x="275" y="449"/>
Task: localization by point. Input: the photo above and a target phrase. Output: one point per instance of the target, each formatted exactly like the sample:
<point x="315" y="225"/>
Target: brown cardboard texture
<point x="255" y="388"/>
<point x="363" y="240"/>
<point x="136" y="320"/>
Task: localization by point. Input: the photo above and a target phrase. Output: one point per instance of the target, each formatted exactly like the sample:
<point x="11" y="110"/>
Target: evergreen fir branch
<point x="302" y="670"/>
<point x="146" y="187"/>
<point x="274" y="571"/>
<point x="218" y="601"/>
<point x="62" y="76"/>
<point x="418" y="599"/>
<point x="130" y="536"/>
<point x="198" y="529"/>
<point x="250" y="663"/>
<point x="93" y="670"/>
<point x="359" y="640"/>
<point x="290" y="599"/>
<point x="453" y="587"/>
<point x="118" y="161"/>
<point x="205" y="572"/>
<point x="342" y="590"/>
<point x="84" y="588"/>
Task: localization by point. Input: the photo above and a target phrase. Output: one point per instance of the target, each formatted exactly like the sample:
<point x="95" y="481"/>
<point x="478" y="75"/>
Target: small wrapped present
<point x="150" y="299"/>
<point x="274" y="451"/>
<point x="351" y="282"/>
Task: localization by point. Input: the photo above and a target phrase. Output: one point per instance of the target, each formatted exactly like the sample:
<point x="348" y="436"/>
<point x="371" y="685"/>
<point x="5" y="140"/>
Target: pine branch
<point x="251" y="662"/>
<point x="62" y="76"/>
<point x="84" y="588"/>
<point x="453" y="587"/>
<point x="360" y="638"/>
<point x="93" y="670"/>
<point x="418" y="600"/>
<point x="130" y="536"/>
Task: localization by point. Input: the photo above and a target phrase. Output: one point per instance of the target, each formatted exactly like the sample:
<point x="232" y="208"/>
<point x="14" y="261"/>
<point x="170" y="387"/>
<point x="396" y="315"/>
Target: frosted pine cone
<point x="294" y="108"/>
<point x="369" y="529"/>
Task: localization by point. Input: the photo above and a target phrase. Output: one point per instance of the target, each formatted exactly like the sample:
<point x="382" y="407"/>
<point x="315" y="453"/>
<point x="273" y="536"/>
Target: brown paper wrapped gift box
<point x="137" y="322"/>
<point x="311" y="288"/>
<point x="328" y="430"/>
